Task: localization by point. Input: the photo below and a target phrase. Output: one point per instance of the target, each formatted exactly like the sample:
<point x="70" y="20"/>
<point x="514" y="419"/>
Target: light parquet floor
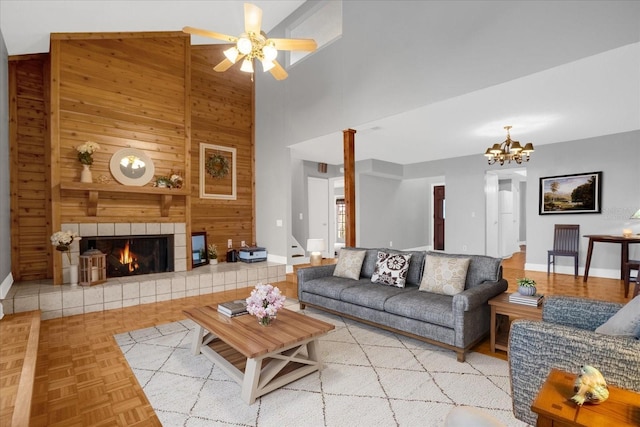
<point x="82" y="378"/>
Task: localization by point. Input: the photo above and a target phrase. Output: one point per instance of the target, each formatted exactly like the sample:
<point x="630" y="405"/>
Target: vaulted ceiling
<point x="553" y="77"/>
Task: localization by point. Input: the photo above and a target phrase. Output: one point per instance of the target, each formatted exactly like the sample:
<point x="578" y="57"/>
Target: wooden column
<point x="349" y="186"/>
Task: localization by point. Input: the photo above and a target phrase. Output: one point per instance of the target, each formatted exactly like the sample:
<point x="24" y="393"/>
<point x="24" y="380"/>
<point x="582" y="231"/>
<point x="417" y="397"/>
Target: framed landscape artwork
<point x="571" y="194"/>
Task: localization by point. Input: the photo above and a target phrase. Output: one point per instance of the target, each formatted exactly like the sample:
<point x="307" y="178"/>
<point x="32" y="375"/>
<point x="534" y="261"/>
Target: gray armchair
<point x="565" y="339"/>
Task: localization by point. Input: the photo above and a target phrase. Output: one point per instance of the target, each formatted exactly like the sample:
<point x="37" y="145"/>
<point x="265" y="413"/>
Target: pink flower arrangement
<point x="264" y="302"/>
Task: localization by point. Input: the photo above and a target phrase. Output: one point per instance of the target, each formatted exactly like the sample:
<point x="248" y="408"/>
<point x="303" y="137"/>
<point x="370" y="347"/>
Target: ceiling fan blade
<point x="295" y="44"/>
<point x="225" y="64"/>
<point x="278" y="72"/>
<point x="252" y="18"/>
<point x="212" y="34"/>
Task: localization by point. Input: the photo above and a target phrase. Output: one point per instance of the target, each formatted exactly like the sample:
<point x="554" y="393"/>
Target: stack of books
<point x="233" y="308"/>
<point x="533" y="300"/>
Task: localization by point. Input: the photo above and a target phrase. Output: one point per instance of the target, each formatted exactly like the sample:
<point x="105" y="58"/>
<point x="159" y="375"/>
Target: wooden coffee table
<point x="260" y="359"/>
<point x="500" y="306"/>
<point x="555" y="408"/>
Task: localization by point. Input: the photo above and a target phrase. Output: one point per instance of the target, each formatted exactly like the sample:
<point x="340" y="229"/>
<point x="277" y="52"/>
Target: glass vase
<point x="266" y="320"/>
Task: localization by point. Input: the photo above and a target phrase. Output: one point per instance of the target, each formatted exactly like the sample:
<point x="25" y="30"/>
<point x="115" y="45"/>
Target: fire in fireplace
<point x="133" y="255"/>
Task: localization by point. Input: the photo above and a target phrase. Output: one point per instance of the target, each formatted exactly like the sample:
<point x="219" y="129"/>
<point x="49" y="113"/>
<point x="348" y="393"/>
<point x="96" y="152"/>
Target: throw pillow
<point x="625" y="322"/>
<point x="391" y="269"/>
<point x="349" y="264"/>
<point x="444" y="275"/>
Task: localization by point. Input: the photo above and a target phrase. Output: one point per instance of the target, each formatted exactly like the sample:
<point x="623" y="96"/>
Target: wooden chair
<point x="566" y="242"/>
<point x="628" y="266"/>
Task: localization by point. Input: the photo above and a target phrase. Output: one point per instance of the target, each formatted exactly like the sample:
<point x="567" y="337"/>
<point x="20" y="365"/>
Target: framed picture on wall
<point x="199" y="249"/>
<point x="217" y="172"/>
<point x="571" y="194"/>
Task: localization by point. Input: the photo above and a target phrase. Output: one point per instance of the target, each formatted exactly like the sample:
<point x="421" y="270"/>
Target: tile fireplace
<point x="159" y="246"/>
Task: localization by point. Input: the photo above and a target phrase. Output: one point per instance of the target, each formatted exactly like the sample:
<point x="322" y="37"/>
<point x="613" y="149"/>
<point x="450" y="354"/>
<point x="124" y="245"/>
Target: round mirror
<point x="131" y="166"/>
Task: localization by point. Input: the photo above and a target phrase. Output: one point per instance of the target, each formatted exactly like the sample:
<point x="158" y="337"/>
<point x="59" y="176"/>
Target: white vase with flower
<point x="62" y="240"/>
<point x="85" y="156"/>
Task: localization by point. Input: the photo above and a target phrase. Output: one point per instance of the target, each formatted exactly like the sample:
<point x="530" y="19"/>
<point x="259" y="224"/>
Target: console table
<point x="605" y="238"/>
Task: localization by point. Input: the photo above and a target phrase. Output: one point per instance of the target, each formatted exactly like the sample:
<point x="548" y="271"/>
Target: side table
<point x="502" y="312"/>
<point x="555" y="408"/>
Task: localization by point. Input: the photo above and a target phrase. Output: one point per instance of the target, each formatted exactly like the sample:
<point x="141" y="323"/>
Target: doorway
<point x="505" y="195"/>
<point x="318" y="205"/>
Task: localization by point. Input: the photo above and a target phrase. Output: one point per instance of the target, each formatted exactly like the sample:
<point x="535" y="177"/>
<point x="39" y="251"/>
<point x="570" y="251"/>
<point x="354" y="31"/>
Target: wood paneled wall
<point x="30" y="190"/>
<point x="222" y="114"/>
<point x="125" y="90"/>
<point x="119" y="90"/>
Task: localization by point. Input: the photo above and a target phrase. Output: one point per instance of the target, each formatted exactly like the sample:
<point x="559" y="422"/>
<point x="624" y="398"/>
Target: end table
<point x="502" y="312"/>
<point x="555" y="408"/>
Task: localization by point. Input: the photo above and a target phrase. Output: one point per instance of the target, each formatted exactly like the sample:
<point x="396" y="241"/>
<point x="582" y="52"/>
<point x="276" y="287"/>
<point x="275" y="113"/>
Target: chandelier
<point x="253" y="46"/>
<point x="509" y="151"/>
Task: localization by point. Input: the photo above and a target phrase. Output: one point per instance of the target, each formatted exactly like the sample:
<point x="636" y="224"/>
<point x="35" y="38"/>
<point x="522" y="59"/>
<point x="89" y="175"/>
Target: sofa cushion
<point x="391" y="269"/>
<point x="625" y="322"/>
<point x="444" y="275"/>
<point x="368" y="295"/>
<point x="423" y="306"/>
<point x="349" y="264"/>
<point x="416" y="264"/>
<point x="330" y="286"/>
<point x="482" y="268"/>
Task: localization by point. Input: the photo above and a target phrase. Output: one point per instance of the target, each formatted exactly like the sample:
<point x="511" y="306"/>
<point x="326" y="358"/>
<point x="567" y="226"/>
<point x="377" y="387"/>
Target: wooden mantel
<point x="94" y="190"/>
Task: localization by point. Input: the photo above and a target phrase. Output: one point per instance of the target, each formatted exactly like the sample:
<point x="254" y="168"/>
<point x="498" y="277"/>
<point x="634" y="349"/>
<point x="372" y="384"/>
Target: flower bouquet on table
<point x="264" y="302"/>
<point x="62" y="241"/>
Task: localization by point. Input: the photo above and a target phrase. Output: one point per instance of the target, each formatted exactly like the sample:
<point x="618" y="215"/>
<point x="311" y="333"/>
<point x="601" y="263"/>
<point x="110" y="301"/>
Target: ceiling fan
<point x="254" y="44"/>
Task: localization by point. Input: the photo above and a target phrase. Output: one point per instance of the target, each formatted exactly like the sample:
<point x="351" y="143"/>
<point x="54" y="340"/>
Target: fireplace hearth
<point x="133" y="255"/>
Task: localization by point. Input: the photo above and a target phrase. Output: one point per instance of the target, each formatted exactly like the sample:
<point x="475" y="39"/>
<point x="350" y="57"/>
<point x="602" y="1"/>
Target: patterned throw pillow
<point x="349" y="264"/>
<point x="444" y="275"/>
<point x="391" y="269"/>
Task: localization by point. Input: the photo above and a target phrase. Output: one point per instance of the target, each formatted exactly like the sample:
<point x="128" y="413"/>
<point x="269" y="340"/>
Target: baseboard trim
<point x="605" y="273"/>
<point x="5" y="286"/>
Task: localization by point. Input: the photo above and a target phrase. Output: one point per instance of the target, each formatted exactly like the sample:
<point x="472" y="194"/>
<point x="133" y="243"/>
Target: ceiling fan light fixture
<point x="244" y="44"/>
<point x="232" y="54"/>
<point x="267" y="65"/>
<point x="247" y="66"/>
<point x="270" y="52"/>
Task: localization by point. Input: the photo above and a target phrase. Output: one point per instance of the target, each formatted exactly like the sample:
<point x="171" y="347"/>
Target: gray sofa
<point x="455" y="322"/>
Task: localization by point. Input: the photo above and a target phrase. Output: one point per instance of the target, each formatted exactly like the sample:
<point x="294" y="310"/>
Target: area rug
<point x="371" y="378"/>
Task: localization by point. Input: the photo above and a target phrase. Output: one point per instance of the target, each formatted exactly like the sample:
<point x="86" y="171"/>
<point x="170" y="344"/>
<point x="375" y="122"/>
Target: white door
<point x="492" y="215"/>
<point x="318" y="191"/>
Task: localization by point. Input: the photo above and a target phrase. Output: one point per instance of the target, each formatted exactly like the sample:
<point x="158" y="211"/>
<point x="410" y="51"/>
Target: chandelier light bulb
<point x="270" y="52"/>
<point x="247" y="66"/>
<point x="244" y="44"/>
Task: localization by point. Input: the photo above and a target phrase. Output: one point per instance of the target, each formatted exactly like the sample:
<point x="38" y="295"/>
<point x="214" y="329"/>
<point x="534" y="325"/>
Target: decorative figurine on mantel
<point x="590" y="386"/>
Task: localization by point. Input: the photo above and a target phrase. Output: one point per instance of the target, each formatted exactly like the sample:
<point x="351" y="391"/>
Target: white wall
<point x="6" y="279"/>
<point x="348" y="84"/>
